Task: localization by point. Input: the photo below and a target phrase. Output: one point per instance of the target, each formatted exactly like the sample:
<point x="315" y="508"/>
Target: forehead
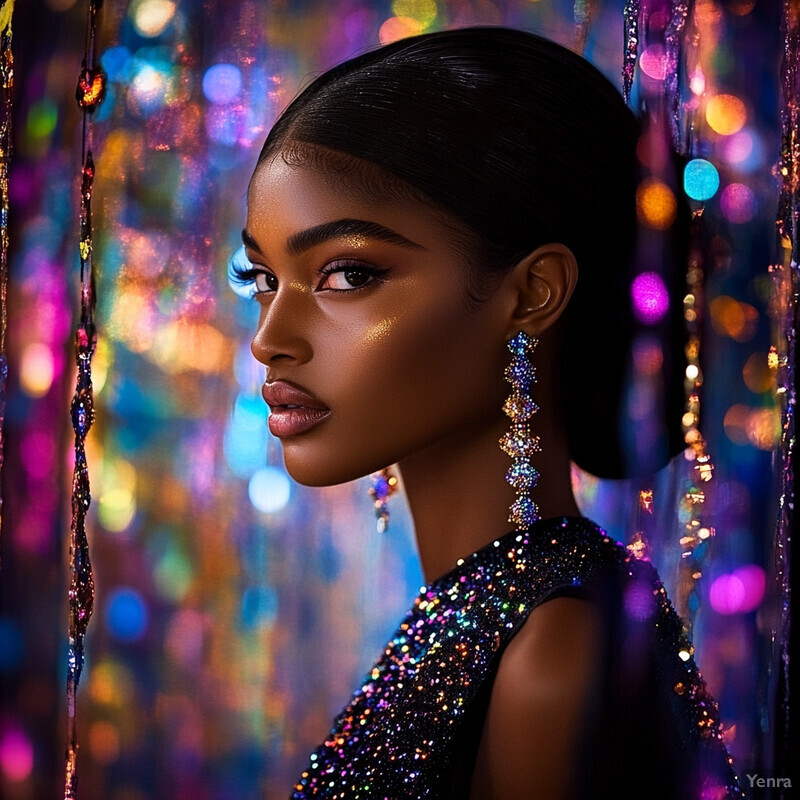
<point x="315" y="183"/>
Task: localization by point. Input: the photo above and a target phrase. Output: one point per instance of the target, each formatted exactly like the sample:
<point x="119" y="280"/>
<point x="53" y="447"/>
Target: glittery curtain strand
<point x="7" y="84"/>
<point x="89" y="94"/>
<point x="782" y="356"/>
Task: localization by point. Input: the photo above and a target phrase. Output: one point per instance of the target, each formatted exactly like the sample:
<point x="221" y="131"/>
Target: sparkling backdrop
<point x="236" y="610"/>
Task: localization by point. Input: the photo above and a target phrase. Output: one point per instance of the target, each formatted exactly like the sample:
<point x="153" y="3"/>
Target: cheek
<point x="411" y="377"/>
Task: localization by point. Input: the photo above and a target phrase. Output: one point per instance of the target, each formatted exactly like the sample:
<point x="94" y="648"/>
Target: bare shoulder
<point x="539" y="701"/>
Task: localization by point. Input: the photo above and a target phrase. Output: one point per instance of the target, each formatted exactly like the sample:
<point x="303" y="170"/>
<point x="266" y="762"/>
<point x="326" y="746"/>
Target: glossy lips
<point x="293" y="410"/>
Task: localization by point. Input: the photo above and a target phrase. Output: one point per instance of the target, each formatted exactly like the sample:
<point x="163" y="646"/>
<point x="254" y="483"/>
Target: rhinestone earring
<point x="518" y="443"/>
<point x="384" y="485"/>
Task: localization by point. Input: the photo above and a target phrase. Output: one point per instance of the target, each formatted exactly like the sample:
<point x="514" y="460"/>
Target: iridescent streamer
<point x="673" y="40"/>
<point x="785" y="276"/>
<point x="694" y="533"/>
<point x="583" y="12"/>
<point x="7" y="84"/>
<point x="89" y="94"/>
<point x="632" y="14"/>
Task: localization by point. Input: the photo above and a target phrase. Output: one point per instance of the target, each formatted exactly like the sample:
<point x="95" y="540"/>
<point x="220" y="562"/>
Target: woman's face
<point x="373" y="353"/>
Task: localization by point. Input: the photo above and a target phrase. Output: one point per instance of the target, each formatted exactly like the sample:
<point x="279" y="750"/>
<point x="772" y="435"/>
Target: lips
<point x="292" y="409"/>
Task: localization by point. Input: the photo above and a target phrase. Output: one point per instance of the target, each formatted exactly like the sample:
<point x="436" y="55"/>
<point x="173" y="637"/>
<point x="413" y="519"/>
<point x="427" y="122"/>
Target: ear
<point x="543" y="282"/>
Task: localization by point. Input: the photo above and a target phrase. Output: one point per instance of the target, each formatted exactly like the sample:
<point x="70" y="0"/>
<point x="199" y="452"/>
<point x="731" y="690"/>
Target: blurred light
<point x="764" y="428"/>
<point x="396" y="28"/>
<point x="269" y="489"/>
<point x="641" y="402"/>
<point x="185" y="636"/>
<point x="737" y="148"/>
<point x="738" y="592"/>
<point x="61" y="5"/>
<point x="758" y="377"/>
<point x="36" y="369"/>
<point x="132" y="319"/>
<point x="692" y="372"/>
<point x="246" y="437"/>
<point x="222" y="83"/>
<point x="148" y="89"/>
<point x="726" y="114"/>
<point x="38" y="452"/>
<point x="100" y="360"/>
<point x="735" y="423"/>
<point x="656" y="204"/>
<point x="697" y="82"/>
<point x="103" y="742"/>
<point x="738" y="203"/>
<point x="111" y="684"/>
<point x="182" y="346"/>
<point x="653" y="62"/>
<point x="249" y="373"/>
<point x="116" y="509"/>
<point x="116" y="61"/>
<point x="126" y="614"/>
<point x="116" y="506"/>
<point x="42" y="118"/>
<point x="727" y="594"/>
<point x="151" y="17"/>
<point x="173" y="575"/>
<point x="648" y="357"/>
<point x="733" y="318"/>
<point x="741" y="7"/>
<point x="423" y="11"/>
<point x="10" y="645"/>
<point x="358" y="26"/>
<point x="650" y="298"/>
<point x="223" y="126"/>
<point x="259" y="606"/>
<point x="700" y="179"/>
<point x="16" y="755"/>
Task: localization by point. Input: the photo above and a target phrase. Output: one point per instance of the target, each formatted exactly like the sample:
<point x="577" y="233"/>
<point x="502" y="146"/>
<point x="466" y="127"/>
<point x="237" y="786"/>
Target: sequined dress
<point x="412" y="730"/>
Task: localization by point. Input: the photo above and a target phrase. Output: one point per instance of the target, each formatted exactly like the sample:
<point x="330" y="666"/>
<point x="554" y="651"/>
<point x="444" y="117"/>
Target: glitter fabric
<point x="402" y="733"/>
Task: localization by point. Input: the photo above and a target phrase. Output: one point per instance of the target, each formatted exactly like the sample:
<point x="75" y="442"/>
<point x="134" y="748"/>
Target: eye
<point x="348" y="277"/>
<point x="265" y="281"/>
<point x="247" y="279"/>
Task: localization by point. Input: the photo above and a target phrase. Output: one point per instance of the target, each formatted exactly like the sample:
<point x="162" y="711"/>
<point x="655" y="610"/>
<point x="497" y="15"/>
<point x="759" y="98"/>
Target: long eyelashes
<point x="242" y="275"/>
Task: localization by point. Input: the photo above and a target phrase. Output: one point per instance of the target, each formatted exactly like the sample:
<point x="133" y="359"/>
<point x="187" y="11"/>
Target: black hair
<point x="526" y="143"/>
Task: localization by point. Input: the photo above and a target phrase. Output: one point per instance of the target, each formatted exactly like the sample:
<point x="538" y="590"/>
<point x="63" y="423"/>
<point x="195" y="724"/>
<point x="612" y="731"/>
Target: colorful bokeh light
<point x="650" y="297"/>
<point x="656" y="204"/>
<point x="726" y="114"/>
<point x="700" y="179"/>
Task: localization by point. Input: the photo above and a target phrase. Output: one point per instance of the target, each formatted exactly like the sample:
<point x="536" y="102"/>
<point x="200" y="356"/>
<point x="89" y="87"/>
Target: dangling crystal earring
<point x="518" y="442"/>
<point x="384" y="485"/>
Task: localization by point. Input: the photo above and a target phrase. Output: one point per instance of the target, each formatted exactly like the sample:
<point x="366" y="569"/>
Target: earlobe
<point x="544" y="281"/>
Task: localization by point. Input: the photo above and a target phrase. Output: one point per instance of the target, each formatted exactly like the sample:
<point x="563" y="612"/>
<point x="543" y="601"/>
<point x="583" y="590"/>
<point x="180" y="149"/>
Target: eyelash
<point x="242" y="273"/>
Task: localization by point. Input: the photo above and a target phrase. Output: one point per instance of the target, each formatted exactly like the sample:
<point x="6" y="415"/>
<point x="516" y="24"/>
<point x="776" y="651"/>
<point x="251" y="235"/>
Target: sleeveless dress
<point x="412" y="730"/>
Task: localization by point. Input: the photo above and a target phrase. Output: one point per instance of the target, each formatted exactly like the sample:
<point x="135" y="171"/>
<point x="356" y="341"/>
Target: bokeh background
<point x="236" y="610"/>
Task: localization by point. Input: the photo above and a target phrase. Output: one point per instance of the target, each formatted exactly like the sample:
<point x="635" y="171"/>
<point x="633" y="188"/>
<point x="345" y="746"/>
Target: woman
<point x="417" y="213"/>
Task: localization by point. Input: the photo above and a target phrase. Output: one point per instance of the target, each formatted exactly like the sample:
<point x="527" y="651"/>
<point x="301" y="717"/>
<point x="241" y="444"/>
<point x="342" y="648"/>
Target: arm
<point x="538" y="706"/>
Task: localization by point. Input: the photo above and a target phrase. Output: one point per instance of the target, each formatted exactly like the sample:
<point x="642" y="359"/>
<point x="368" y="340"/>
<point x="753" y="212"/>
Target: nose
<point x="284" y="329"/>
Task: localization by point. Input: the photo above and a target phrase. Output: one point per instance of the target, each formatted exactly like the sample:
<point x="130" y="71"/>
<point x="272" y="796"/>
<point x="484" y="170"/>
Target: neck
<point x="459" y="497"/>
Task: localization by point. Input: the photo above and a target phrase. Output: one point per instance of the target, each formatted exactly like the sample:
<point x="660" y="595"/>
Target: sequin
<point x="396" y="737"/>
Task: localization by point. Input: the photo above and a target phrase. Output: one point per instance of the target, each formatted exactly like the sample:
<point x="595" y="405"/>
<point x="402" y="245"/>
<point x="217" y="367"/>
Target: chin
<point x="316" y="469"/>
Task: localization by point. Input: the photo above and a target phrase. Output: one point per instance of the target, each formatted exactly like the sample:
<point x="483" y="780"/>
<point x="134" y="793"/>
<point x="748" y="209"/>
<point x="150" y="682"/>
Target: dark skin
<point x="377" y="328"/>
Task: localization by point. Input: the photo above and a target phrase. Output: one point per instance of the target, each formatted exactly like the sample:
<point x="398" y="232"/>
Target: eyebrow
<point x="312" y="237"/>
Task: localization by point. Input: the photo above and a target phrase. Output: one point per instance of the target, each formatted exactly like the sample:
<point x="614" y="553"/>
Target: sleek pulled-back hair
<point x="523" y="141"/>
